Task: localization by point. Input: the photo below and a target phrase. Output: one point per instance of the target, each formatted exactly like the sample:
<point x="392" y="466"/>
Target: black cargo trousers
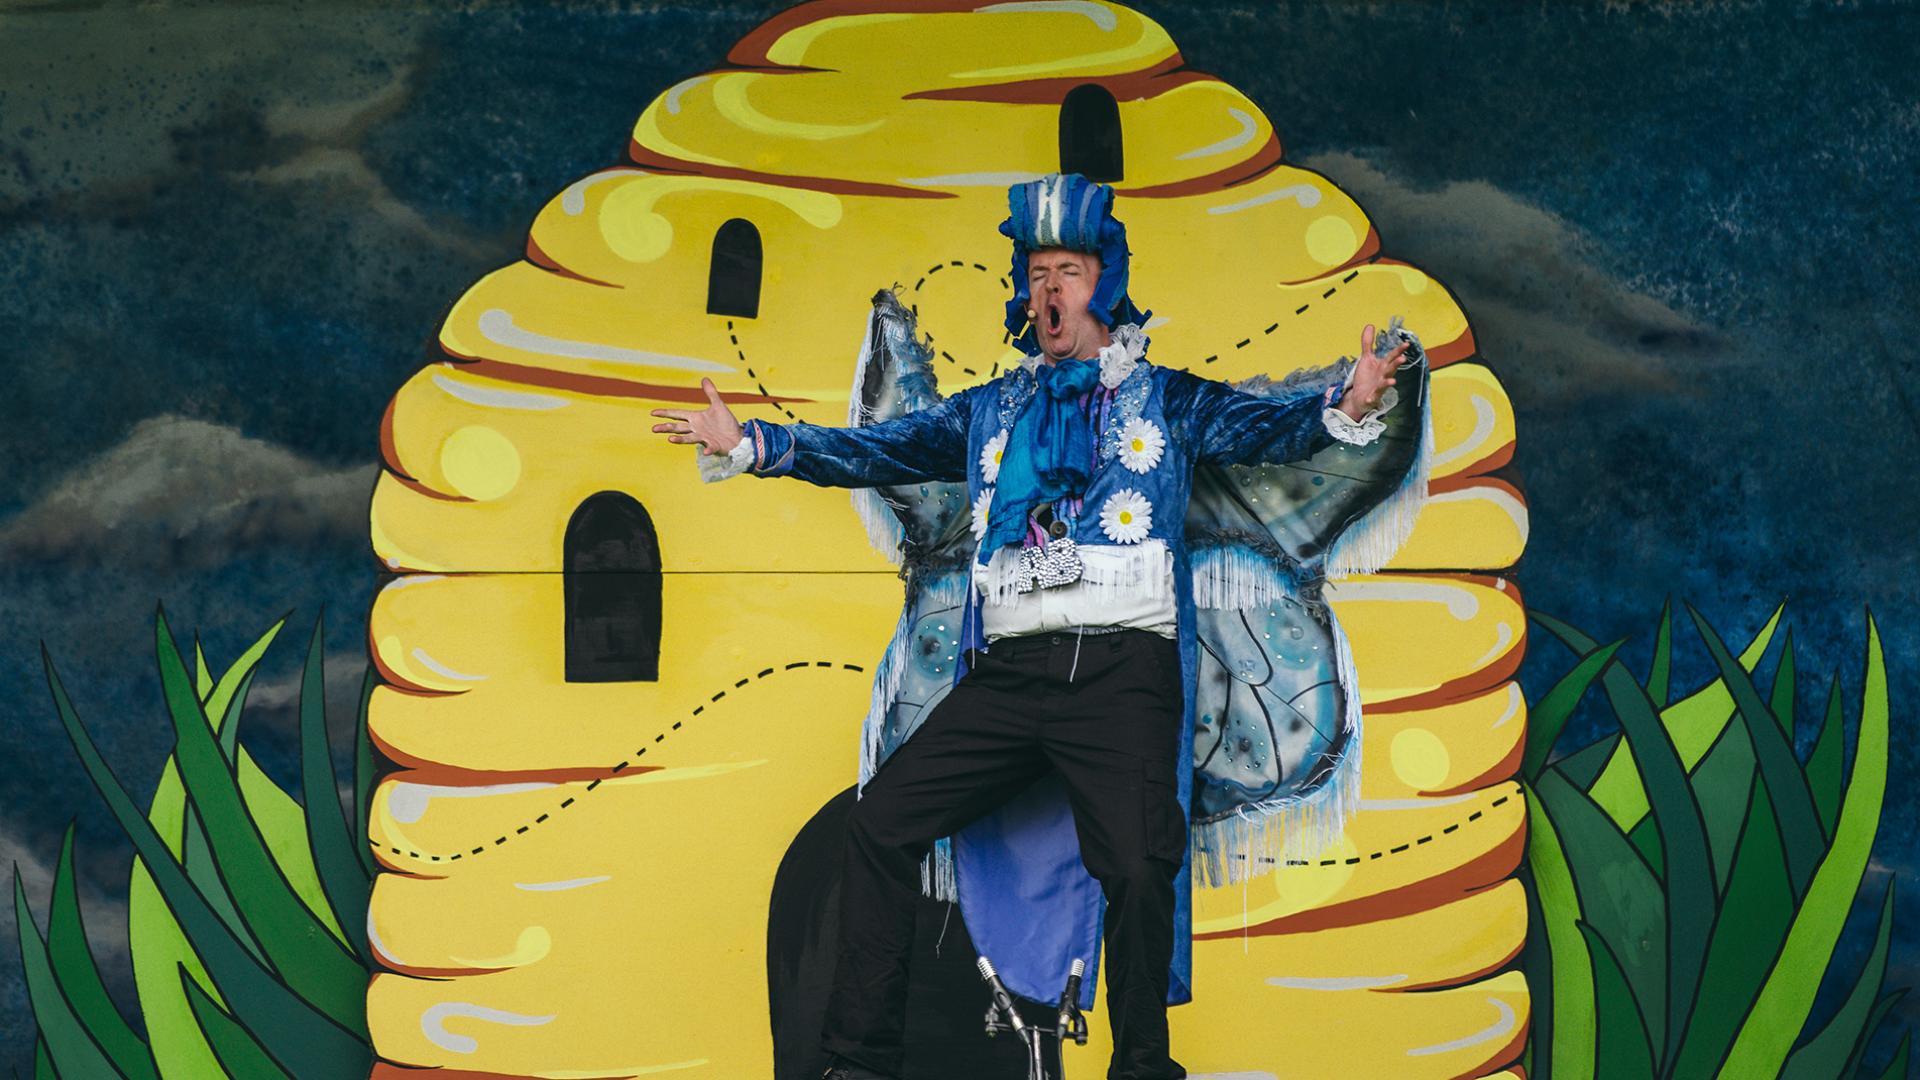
<point x="1102" y="708"/>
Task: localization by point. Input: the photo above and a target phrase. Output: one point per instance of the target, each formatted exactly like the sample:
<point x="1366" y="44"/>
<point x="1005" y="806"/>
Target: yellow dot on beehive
<point x="1420" y="758"/>
<point x="1331" y="240"/>
<point x="479" y="462"/>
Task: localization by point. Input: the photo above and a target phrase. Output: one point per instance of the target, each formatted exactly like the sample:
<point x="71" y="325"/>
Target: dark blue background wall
<point x="1684" y="235"/>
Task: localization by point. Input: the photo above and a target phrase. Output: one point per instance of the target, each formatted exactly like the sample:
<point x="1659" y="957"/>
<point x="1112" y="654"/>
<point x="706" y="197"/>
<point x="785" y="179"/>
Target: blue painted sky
<point x="1683" y="234"/>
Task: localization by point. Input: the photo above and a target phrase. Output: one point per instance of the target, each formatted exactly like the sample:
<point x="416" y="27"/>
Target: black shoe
<point x="840" y="1068"/>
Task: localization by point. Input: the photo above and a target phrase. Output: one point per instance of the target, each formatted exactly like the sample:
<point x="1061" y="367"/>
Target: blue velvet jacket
<point x="1250" y="547"/>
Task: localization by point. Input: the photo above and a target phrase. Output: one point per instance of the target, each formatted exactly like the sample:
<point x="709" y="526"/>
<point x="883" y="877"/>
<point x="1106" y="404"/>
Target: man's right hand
<point x="713" y="427"/>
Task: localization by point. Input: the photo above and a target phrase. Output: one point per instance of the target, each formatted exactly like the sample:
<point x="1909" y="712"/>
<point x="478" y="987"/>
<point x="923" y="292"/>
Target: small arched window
<point x="733" y="278"/>
<point x="1090" y="134"/>
<point x="611" y="578"/>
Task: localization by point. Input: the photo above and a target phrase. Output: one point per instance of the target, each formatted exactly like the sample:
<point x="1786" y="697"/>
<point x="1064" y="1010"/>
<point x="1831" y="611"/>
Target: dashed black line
<point x="755" y="376"/>
<point x="1350" y="275"/>
<point x="1005" y="337"/>
<point x="597" y="781"/>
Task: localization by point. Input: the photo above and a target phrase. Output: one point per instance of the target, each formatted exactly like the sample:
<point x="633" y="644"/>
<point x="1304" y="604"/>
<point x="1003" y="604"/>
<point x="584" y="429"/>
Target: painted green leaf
<point x="1880" y="1010"/>
<point x="1582" y="767"/>
<point x="1826" y="1054"/>
<point x="341" y="878"/>
<point x="197" y="856"/>
<point x="42" y="1064"/>
<point x="305" y="954"/>
<point x="1689" y="899"/>
<point x="1618" y="895"/>
<point x="1823" y="765"/>
<point x="1781" y="699"/>
<point x="1722" y="783"/>
<point x="202" y="675"/>
<point x="1661" y="672"/>
<point x="334" y="1053"/>
<point x="1694" y="722"/>
<point x="1781" y="1009"/>
<point x="70" y="1049"/>
<point x="1570" y="970"/>
<point x="79" y="978"/>
<point x="363" y="779"/>
<point x="240" y="1057"/>
<point x="1786" y="784"/>
<point x="1623" y="1050"/>
<point x="1747" y="933"/>
<point x="1547" y="718"/>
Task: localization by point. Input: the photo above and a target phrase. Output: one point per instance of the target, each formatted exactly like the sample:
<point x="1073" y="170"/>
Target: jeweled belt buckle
<point x="1056" y="563"/>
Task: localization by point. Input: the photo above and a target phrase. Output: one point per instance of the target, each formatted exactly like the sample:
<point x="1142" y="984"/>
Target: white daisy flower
<point x="990" y="457"/>
<point x="1126" y="517"/>
<point x="1141" y="444"/>
<point x="980" y="507"/>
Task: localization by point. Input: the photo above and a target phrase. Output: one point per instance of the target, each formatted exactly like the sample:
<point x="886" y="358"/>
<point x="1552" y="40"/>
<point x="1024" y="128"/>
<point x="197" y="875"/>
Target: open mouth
<point x="1053" y="317"/>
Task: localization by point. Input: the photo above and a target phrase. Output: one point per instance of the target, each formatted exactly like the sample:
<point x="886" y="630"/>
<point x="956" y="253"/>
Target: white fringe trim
<point x="1233" y="577"/>
<point x="947" y="589"/>
<point x="1261" y="837"/>
<point x="1370" y="543"/>
<point x="1109" y="573"/>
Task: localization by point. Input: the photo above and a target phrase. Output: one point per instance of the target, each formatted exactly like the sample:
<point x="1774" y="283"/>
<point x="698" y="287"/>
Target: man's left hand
<point x="1371" y="377"/>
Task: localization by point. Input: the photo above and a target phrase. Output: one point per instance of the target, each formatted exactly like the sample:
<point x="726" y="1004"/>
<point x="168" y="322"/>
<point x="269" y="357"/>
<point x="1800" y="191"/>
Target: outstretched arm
<point x="926" y="445"/>
<point x="1228" y="426"/>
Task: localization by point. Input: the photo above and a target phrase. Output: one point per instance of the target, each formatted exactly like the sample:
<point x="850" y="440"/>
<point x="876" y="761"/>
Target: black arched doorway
<point x="612" y="584"/>
<point x="1090" y="134"/>
<point x="733" y="277"/>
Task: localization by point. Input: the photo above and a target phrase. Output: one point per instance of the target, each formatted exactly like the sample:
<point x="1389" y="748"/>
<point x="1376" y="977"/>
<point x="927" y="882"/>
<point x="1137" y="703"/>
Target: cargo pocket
<point x="1166" y="821"/>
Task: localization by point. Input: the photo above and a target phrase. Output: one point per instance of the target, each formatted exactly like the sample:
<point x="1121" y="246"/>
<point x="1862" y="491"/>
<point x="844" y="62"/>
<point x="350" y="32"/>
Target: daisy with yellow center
<point x="1141" y="444"/>
<point x="980" y="507"/>
<point x="990" y="457"/>
<point x="1126" y="517"/>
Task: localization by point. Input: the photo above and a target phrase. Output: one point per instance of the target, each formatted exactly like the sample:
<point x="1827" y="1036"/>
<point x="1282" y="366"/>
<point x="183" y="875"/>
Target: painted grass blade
<point x="42" y="1064"/>
<point x="1690" y="900"/>
<point x="1547" y="719"/>
<point x="1880" y="1010"/>
<point x="1747" y="933"/>
<point x="1572" y="1037"/>
<point x="1780" y="700"/>
<point x="363" y="781"/>
<point x="240" y="1057"/>
<point x="1623" y="1050"/>
<point x="79" y="978"/>
<point x="70" y="1049"/>
<point x="335" y="1053"/>
<point x="1781" y="1009"/>
<point x="1694" y="722"/>
<point x="1722" y="785"/>
<point x="197" y="856"/>
<point x="202" y="675"/>
<point x="1826" y="1054"/>
<point x="1618" y="895"/>
<point x="298" y="945"/>
<point x="1823" y="765"/>
<point x="1660" y="674"/>
<point x="1799" y="826"/>
<point x="341" y="879"/>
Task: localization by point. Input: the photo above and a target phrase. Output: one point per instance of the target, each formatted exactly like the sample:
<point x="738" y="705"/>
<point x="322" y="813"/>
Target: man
<point x="1077" y="637"/>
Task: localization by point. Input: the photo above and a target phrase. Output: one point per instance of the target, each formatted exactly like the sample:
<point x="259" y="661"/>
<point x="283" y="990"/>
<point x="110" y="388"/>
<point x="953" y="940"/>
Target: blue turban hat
<point x="1067" y="210"/>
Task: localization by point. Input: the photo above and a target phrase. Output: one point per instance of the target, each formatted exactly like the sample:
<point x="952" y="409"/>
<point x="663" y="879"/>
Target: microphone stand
<point x="1068" y="1023"/>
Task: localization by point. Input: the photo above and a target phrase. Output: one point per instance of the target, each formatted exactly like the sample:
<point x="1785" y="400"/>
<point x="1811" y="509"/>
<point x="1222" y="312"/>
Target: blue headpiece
<point x="1067" y="210"/>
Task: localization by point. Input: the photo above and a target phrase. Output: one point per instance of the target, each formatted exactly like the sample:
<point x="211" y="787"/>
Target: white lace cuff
<point x="1364" y="430"/>
<point x="721" y="466"/>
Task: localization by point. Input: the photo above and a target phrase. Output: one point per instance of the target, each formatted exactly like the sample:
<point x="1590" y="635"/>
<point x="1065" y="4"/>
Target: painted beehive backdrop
<point x="618" y="693"/>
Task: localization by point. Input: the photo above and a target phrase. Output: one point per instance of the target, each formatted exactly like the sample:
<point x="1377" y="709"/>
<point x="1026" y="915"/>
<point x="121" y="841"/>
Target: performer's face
<point x="1061" y="283"/>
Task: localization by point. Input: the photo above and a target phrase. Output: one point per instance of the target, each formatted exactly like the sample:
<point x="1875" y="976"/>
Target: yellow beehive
<point x="577" y="872"/>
